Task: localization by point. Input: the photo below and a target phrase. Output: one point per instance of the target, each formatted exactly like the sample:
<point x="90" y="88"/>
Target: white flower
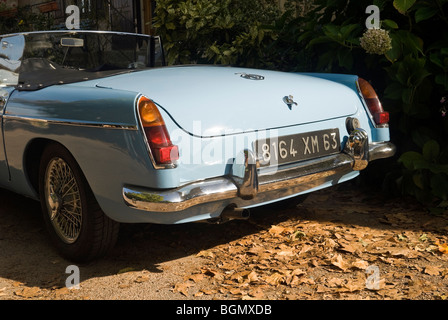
<point x="376" y="41"/>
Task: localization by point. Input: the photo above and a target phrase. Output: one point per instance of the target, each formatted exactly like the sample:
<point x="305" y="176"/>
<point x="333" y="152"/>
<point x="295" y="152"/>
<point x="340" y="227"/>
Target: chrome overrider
<point x="249" y="185"/>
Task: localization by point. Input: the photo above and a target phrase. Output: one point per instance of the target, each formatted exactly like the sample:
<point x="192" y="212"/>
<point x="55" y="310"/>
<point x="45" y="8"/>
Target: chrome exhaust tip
<point x="234" y="213"/>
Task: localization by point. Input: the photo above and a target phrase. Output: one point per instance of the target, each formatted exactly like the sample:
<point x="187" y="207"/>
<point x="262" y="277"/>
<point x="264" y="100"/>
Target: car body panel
<point x="102" y="134"/>
<point x="229" y="103"/>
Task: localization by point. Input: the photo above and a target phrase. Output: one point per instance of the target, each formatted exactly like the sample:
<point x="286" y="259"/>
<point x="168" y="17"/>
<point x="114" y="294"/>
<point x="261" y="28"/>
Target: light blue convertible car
<point x="101" y="132"/>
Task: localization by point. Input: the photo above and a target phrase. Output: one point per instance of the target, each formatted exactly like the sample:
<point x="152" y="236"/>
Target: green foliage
<point x="25" y="20"/>
<point x="218" y="31"/>
<point x="411" y="78"/>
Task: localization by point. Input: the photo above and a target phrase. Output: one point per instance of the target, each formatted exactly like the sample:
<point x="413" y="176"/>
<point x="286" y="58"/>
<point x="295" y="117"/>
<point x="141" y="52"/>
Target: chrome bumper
<point x="259" y="185"/>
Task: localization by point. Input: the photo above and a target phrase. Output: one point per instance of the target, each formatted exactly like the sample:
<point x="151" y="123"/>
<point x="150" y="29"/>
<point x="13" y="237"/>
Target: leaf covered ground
<point x="343" y="243"/>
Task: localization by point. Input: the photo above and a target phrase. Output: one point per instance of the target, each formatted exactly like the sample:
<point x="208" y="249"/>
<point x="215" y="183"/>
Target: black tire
<point x="64" y="192"/>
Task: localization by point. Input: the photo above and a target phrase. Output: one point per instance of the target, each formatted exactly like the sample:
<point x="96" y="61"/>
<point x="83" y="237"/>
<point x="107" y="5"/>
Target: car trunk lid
<point x="213" y="100"/>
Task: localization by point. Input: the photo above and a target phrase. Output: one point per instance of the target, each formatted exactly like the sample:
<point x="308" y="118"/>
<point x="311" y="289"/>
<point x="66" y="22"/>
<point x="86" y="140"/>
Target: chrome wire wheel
<point x="63" y="198"/>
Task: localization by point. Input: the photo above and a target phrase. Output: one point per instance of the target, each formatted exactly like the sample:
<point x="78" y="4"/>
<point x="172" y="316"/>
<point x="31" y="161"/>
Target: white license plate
<point x="297" y="147"/>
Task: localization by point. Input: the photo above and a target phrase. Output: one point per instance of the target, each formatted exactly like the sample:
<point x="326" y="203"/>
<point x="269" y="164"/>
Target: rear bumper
<point x="259" y="185"/>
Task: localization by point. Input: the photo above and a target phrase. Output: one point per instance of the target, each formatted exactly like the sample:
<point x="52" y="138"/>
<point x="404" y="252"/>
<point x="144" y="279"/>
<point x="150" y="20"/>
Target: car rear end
<point x="243" y="138"/>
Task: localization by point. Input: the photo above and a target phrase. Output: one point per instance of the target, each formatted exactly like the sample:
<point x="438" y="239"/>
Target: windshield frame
<point x="34" y="78"/>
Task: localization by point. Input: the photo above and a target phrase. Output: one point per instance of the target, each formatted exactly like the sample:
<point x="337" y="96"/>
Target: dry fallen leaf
<point x="354" y="285"/>
<point x="276" y="230"/>
<point x="240" y="276"/>
<point x="197" y="277"/>
<point x="348" y="247"/>
<point x="432" y="271"/>
<point x="443" y="248"/>
<point x="360" y="264"/>
<point x="208" y="291"/>
<point x="286" y="253"/>
<point x="305" y="249"/>
<point x="61" y="291"/>
<point x="206" y="254"/>
<point x="274" y="279"/>
<point x="182" y="288"/>
<point x="397" y="251"/>
<point x="235" y="291"/>
<point x="142" y="278"/>
<point x="210" y="272"/>
<point x="254" y="293"/>
<point x="339" y="262"/>
<point x="335" y="282"/>
<point x="28" y="292"/>
<point x="252" y="277"/>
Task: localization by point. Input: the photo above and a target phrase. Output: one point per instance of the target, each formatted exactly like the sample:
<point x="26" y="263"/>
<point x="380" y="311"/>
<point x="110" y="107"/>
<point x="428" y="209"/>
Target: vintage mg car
<point x="101" y="132"/>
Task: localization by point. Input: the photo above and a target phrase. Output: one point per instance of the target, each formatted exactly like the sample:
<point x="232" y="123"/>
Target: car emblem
<point x="289" y="101"/>
<point x="250" y="76"/>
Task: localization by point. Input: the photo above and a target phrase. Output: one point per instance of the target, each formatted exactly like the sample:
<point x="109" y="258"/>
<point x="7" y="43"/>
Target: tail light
<point x="159" y="141"/>
<point x="380" y="116"/>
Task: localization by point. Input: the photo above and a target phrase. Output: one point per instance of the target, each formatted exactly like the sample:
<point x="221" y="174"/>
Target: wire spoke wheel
<point x="77" y="226"/>
<point x="63" y="200"/>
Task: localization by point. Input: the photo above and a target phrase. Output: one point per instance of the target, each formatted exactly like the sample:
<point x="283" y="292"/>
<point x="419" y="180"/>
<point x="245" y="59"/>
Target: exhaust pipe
<point x="234" y="213"/>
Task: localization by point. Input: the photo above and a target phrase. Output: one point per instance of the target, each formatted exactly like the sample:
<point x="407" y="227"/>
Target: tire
<point x="78" y="227"/>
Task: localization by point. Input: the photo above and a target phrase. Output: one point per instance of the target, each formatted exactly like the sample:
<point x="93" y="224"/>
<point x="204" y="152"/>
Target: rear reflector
<point x="381" y="117"/>
<point x="162" y="149"/>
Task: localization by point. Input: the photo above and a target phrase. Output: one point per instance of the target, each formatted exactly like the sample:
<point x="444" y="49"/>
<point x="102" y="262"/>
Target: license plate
<point x="297" y="147"/>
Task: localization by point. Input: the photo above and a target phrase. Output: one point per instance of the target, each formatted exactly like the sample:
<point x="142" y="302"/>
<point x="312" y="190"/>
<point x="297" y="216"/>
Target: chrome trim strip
<point x="74" y="32"/>
<point x="219" y="192"/>
<point x="73" y="123"/>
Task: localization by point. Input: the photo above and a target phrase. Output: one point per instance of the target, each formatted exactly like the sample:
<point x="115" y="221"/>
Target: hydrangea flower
<point x="376" y="41"/>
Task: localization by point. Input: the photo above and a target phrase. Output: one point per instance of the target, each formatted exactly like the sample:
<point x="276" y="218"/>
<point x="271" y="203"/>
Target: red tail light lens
<point x="381" y="117"/>
<point x="373" y="103"/>
<point x="162" y="149"/>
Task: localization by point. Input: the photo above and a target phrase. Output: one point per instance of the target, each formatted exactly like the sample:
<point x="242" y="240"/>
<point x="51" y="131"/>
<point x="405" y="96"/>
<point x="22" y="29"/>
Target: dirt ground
<point x="343" y="243"/>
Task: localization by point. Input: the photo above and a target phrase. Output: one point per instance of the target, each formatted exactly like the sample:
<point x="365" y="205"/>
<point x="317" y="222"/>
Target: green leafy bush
<point x="24" y="20"/>
<point x="411" y="78"/>
<point x="214" y="31"/>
